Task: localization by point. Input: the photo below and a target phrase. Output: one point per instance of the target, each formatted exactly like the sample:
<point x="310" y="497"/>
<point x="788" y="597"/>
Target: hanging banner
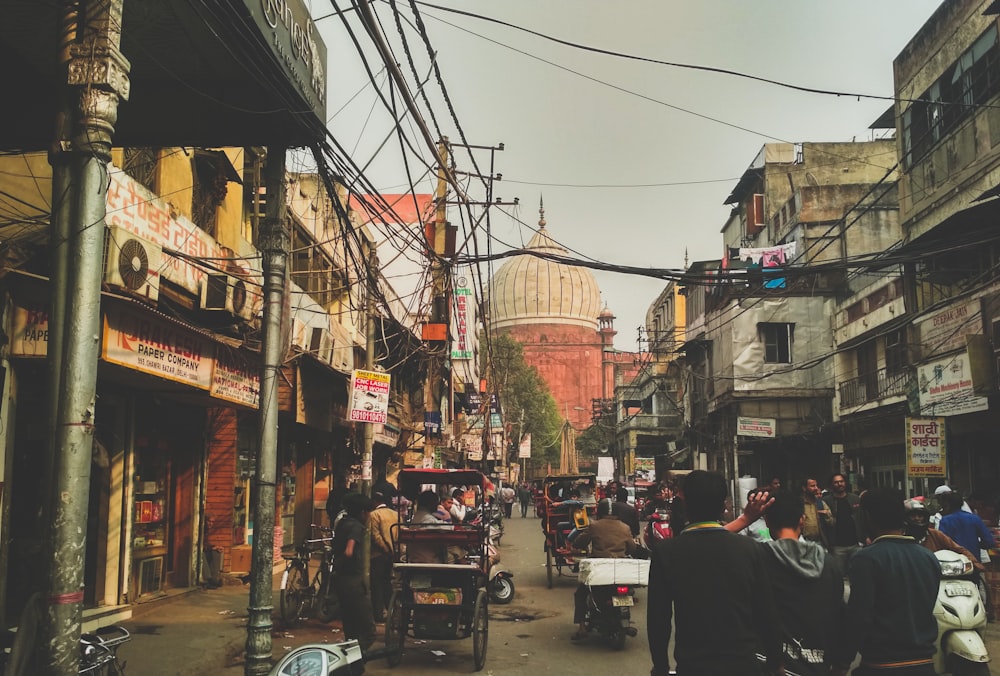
<point x="369" y="396"/>
<point x="524" y="448"/>
<point x="946" y="387"/>
<point x="926" y="455"/>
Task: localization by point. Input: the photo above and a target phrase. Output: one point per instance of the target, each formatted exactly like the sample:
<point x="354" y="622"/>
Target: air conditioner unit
<point x="321" y="344"/>
<point x="132" y="264"/>
<point x="224" y="293"/>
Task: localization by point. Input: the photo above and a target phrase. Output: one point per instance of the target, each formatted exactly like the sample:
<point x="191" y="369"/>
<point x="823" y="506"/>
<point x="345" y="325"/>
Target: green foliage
<point x="593" y="441"/>
<point x="525" y="399"/>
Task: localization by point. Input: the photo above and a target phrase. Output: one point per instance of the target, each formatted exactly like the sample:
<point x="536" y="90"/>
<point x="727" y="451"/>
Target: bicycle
<point x="299" y="595"/>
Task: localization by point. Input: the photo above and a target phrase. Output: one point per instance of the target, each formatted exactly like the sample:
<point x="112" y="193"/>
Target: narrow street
<point x="532" y="634"/>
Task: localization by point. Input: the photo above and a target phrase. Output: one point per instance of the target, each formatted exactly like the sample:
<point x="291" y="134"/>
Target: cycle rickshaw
<point x="448" y="598"/>
<point x="568" y="501"/>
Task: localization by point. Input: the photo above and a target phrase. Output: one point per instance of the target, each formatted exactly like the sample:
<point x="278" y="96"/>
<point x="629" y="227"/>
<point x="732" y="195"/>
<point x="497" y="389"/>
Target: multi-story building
<point x="759" y="343"/>
<point x="921" y="405"/>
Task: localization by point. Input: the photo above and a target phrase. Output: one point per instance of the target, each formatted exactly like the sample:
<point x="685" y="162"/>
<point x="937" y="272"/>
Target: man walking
<point x="963" y="527"/>
<point x="894" y="584"/>
<point x="845" y="533"/>
<point x="507" y="498"/>
<point x="381" y="524"/>
<point x="348" y="575"/>
<point x="716" y="584"/>
<point x="524" y="497"/>
<point x="808" y="589"/>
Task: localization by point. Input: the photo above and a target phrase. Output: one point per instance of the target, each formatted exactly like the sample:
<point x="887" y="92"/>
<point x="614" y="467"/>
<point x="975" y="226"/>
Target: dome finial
<point x="541" y="211"/>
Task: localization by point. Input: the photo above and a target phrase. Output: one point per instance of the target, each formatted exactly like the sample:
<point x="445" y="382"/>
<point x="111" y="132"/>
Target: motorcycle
<point x="501" y="584"/>
<point x="961" y="619"/>
<point x="657" y="528"/>
<point x="611" y="594"/>
<point x="327" y="659"/>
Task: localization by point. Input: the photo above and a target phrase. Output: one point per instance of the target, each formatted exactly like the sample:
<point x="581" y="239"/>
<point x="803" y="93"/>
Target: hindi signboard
<point x="926" y="454"/>
<point x="369" y="396"/>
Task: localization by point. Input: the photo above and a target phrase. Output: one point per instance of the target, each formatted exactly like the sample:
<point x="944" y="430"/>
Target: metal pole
<point x="369" y="429"/>
<point x="273" y="243"/>
<point x="100" y="73"/>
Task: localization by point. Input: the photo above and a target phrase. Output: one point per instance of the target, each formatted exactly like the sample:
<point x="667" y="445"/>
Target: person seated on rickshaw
<point x="565" y="528"/>
<point x="425" y="517"/>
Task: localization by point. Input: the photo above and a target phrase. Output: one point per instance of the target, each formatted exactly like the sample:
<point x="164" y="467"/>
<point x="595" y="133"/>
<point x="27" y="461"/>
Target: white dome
<point x="531" y="290"/>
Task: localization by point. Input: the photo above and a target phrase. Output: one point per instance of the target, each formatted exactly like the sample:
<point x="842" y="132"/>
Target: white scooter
<point x="961" y="619"/>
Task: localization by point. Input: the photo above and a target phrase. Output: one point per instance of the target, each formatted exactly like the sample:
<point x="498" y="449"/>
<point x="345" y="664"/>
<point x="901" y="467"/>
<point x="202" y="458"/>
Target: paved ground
<point x="204" y="631"/>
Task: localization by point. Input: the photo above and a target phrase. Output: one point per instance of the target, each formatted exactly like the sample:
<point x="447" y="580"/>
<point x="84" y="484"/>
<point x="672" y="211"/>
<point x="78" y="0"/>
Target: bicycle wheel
<point x="395" y="630"/>
<point x="328" y="604"/>
<point x="480" y="630"/>
<point x="294" y="592"/>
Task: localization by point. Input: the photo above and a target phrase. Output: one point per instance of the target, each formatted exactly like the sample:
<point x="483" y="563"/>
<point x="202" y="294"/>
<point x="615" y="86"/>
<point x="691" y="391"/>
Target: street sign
<point x="369" y="396"/>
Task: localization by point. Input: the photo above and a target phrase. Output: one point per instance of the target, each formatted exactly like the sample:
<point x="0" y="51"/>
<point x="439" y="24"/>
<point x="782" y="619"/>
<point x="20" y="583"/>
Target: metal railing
<point x="873" y="387"/>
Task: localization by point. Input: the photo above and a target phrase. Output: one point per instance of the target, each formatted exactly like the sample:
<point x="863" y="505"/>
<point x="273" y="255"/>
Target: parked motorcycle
<point x="327" y="659"/>
<point x="657" y="528"/>
<point x="501" y="584"/>
<point x="961" y="619"/>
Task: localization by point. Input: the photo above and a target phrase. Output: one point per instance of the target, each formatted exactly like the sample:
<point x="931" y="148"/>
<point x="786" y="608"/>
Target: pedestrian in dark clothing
<point x="624" y="511"/>
<point x="894" y="585"/>
<point x="963" y="527"/>
<point x="348" y="573"/>
<point x="716" y="583"/>
<point x="524" y="498"/>
<point x="845" y="532"/>
<point x="808" y="589"/>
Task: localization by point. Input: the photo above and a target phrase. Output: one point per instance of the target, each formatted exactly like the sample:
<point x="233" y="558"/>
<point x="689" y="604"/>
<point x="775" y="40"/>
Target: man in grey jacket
<point x="807" y="586"/>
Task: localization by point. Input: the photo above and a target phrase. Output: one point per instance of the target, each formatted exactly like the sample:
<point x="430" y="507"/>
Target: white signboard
<point x="946" y="387"/>
<point x="524" y="448"/>
<point x="756" y="427"/>
<point x="472" y="444"/>
<point x="463" y="323"/>
<point x="369" y="396"/>
<point x="235" y="378"/>
<point x="945" y="331"/>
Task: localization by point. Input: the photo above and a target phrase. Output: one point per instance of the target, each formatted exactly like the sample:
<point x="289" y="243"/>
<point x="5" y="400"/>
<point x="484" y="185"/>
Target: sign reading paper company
<point x="755" y="427"/>
<point x="157" y="347"/>
<point x="925" y="447"/>
<point x="462" y="347"/>
<point x="235" y="378"/>
<point x="30" y="332"/>
<point x="369" y="396"/>
<point x="946" y="387"/>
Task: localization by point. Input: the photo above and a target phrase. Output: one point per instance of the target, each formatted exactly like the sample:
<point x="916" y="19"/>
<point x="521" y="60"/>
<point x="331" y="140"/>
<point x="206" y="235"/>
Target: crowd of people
<point x="773" y="581"/>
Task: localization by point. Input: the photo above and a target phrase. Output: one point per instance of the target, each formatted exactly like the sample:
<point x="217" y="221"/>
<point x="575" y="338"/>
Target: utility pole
<point x="369" y="440"/>
<point x="97" y="78"/>
<point x="436" y="240"/>
<point x="273" y="242"/>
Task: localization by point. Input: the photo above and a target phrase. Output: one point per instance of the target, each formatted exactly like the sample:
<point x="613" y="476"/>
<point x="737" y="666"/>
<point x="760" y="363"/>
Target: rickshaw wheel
<point x="548" y="564"/>
<point x="395" y="632"/>
<point x="480" y="629"/>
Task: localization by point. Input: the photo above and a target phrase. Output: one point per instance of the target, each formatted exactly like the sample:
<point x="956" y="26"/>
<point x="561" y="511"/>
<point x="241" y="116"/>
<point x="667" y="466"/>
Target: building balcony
<point x="873" y="387"/>
<point x="645" y="422"/>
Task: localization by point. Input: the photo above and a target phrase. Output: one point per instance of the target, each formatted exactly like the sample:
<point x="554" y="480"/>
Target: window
<point x="895" y="351"/>
<point x="777" y="339"/>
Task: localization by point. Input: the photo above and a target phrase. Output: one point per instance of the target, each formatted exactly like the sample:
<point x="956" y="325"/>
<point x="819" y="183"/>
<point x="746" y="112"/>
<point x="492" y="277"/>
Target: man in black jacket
<point x="845" y="533"/>
<point x="624" y="511"/>
<point x="894" y="585"/>
<point x="808" y="589"/>
<point x="717" y="584"/>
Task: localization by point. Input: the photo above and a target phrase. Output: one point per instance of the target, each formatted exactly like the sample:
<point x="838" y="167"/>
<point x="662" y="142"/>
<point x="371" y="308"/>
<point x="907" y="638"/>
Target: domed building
<point x="554" y="311"/>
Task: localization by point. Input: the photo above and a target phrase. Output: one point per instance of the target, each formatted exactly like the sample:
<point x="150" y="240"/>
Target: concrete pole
<point x="273" y="241"/>
<point x="99" y="72"/>
<point x="369" y="430"/>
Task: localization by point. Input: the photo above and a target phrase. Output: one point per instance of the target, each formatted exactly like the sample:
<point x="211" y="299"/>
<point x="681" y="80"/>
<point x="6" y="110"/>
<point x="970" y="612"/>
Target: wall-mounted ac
<point x="224" y="293"/>
<point x="321" y="344"/>
<point x="132" y="264"/>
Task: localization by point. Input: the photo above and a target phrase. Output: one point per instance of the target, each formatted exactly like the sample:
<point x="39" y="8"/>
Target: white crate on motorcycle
<point x="596" y="572"/>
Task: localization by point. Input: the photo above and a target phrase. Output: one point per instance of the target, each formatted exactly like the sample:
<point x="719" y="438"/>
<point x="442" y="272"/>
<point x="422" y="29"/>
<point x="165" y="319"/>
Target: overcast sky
<point x="633" y="159"/>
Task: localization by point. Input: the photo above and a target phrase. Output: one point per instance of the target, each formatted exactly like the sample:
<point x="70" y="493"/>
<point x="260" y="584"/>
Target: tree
<point x="527" y="404"/>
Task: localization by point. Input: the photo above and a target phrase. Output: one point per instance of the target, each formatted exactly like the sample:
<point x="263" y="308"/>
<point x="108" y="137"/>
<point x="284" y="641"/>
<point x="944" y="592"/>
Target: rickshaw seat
<point x="461" y="537"/>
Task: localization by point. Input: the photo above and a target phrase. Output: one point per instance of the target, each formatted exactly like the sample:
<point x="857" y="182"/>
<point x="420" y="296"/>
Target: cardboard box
<point x="597" y="572"/>
<point x="241" y="556"/>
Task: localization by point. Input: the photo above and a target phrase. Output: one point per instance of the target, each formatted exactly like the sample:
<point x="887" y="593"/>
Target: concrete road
<point x="530" y="636"/>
